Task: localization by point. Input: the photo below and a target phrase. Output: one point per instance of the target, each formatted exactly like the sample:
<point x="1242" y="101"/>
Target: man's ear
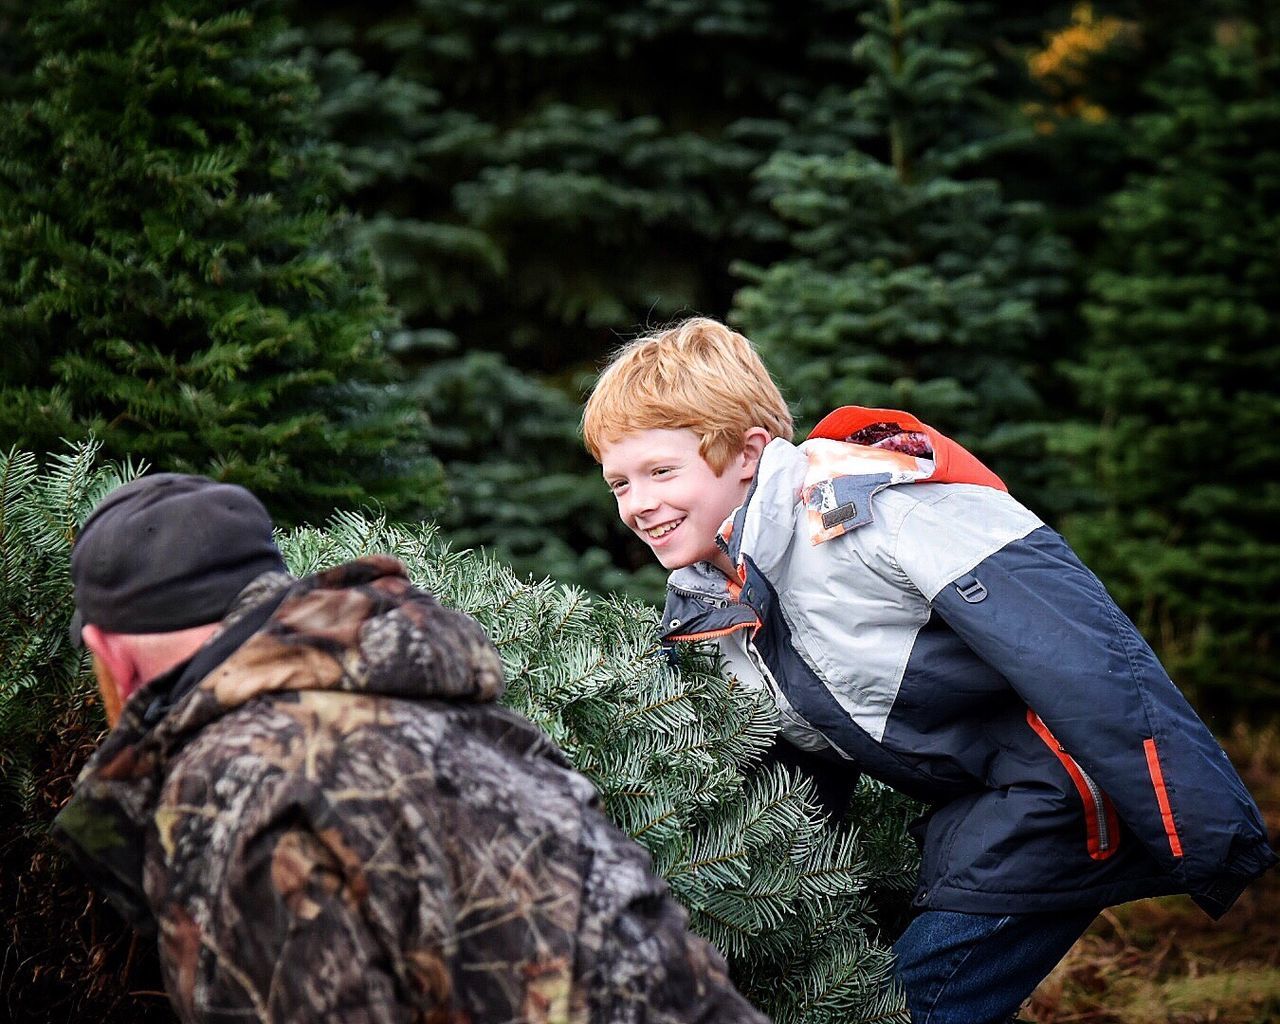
<point x="754" y="440"/>
<point x="111" y="651"/>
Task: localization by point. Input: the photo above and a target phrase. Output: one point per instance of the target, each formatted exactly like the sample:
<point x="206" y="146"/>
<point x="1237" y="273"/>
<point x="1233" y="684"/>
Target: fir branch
<point x="743" y="847"/>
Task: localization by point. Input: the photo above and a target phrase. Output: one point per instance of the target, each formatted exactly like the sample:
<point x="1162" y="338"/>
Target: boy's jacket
<point x="915" y="622"/>
<point x="328" y="819"/>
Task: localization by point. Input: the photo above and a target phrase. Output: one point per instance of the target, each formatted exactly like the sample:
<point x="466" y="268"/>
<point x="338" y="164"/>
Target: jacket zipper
<point x="1099" y="811"/>
<point x="719" y="602"/>
<point x="1101" y="823"/>
<point x="713" y="634"/>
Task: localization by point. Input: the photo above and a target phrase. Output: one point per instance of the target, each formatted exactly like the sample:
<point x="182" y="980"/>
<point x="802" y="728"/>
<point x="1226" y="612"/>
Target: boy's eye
<point x="616" y="485"/>
<point x="662" y="470"/>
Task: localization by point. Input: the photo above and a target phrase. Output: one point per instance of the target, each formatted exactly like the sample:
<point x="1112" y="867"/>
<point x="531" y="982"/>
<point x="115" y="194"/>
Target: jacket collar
<point x="851" y="455"/>
<point x="702" y="603"/>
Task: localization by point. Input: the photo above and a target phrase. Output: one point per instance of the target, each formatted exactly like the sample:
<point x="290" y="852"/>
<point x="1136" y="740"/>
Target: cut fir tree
<point x="796" y="902"/>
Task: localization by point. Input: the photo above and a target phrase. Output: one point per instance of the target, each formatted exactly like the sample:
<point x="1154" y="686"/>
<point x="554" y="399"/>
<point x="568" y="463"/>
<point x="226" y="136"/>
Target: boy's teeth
<point x="662" y="531"/>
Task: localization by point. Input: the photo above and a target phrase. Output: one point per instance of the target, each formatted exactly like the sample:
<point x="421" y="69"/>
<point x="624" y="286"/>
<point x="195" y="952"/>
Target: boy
<point x="914" y="621"/>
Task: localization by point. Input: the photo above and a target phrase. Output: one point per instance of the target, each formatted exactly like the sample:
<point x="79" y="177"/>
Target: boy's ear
<point x="754" y="440"/>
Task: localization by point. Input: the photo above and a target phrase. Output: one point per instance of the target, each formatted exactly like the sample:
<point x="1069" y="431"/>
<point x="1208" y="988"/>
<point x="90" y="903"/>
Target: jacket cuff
<point x="1216" y="898"/>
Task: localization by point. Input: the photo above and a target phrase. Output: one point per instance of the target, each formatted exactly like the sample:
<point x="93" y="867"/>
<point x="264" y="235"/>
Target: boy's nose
<point x="639" y="500"/>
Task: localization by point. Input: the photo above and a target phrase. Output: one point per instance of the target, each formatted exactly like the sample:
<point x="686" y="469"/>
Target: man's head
<point x="678" y="421"/>
<point x="156" y="566"/>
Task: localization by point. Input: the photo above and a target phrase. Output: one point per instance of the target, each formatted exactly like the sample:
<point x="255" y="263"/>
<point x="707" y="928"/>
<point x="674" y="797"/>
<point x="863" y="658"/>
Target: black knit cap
<point x="167" y="552"/>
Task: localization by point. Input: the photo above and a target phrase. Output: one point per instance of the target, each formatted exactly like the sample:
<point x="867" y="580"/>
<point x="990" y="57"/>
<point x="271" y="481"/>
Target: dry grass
<point x="1164" y="961"/>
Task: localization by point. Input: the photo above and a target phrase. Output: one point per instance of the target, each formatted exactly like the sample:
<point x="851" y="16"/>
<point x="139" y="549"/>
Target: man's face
<point x="670" y="497"/>
<point x="110" y="692"/>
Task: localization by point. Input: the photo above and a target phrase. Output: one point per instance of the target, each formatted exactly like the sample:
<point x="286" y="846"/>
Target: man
<point x="309" y="792"/>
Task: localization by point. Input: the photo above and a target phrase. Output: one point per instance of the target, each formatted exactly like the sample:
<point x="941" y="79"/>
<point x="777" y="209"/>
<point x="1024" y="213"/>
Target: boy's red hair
<point x="698" y="375"/>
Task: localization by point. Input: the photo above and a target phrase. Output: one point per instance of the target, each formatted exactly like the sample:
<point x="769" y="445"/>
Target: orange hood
<point x="952" y="463"/>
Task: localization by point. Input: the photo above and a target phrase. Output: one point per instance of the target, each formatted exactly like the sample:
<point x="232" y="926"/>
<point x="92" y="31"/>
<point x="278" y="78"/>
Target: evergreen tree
<point x="537" y="178"/>
<point x="798" y="904"/>
<point x="519" y="482"/>
<point x="16" y="54"/>
<point x="912" y="283"/>
<point x="1179" y="378"/>
<point x="1089" y="73"/>
<point x="174" y="277"/>
<point x="42" y="676"/>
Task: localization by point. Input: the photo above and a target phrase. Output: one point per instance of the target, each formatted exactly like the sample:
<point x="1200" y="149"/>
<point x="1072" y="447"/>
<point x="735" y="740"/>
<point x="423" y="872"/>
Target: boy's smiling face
<point x="670" y="496"/>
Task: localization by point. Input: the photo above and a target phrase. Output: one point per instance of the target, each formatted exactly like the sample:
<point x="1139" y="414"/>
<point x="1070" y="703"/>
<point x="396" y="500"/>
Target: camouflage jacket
<point x="334" y="822"/>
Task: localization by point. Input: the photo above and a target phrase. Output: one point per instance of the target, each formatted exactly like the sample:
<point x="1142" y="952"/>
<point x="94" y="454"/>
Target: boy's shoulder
<point x="823" y="489"/>
<point x="806" y="495"/>
<point x="830" y="501"/>
<point x="937" y="532"/>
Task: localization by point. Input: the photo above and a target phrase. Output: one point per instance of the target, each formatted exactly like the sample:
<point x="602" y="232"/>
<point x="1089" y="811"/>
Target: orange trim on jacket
<point x="1162" y="797"/>
<point x="1102" y="824"/>
<point x="714" y="634"/>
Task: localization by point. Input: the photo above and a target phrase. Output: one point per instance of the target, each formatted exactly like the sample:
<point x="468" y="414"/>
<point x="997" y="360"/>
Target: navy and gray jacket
<point x="914" y="621"/>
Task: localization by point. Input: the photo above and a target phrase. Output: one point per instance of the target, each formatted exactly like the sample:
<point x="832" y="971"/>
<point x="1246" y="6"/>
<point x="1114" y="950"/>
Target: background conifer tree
<point x="912" y="282"/>
<point x="1179" y="376"/>
<point x="538" y="178"/>
<point x="174" y="276"/>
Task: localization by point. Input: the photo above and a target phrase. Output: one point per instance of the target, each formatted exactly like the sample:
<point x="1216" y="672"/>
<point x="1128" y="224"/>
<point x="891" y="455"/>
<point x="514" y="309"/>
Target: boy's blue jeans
<point x="978" y="968"/>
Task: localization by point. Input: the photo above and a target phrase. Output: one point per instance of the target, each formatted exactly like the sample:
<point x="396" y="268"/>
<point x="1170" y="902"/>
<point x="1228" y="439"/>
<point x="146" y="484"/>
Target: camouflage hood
<point x="358" y="628"/>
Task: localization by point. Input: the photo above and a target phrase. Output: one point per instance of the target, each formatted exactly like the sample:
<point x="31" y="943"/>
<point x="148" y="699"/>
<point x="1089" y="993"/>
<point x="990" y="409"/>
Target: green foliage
<point x="43" y="672"/>
<point x="65" y="955"/>
<point x="174" y="277"/>
<point x="1179" y="376"/>
<point x="536" y="176"/>
<point x="911" y="283"/>
<point x="515" y="486"/>
<point x="784" y="895"/>
<point x="674" y="748"/>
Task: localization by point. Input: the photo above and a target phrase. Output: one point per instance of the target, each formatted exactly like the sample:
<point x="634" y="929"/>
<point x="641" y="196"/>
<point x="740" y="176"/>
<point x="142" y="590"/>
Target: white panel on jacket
<point x="950" y="528"/>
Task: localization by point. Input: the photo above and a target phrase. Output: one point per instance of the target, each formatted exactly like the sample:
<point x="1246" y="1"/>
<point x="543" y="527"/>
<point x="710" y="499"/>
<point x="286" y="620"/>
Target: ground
<point x="1164" y="961"/>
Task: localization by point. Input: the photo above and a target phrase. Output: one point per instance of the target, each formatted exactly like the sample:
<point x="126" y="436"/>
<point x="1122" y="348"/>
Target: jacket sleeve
<point x="1037" y="615"/>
